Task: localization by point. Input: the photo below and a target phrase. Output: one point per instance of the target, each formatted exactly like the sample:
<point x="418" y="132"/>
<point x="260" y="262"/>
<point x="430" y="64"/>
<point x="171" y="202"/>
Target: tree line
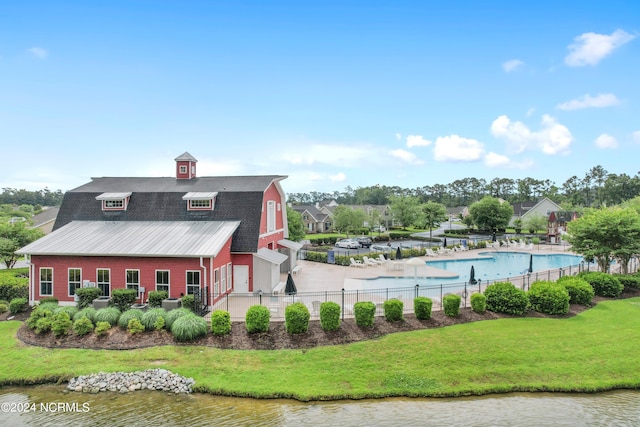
<point x="596" y="188"/>
<point x="45" y="197"/>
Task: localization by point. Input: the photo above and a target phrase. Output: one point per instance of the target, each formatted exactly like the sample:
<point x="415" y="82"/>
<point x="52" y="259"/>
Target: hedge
<point x="257" y="319"/>
<point x="18" y="305"/>
<point x="86" y="296"/>
<point x="503" y="297"/>
<point x="422" y="308"/>
<point x="365" y="312"/>
<point x="478" y="303"/>
<point x="296" y="318"/>
<point x="393" y="310"/>
<point x="14" y="283"/>
<point x="451" y="304"/>
<point x="548" y="297"/>
<point x="156" y="297"/>
<point x="604" y="285"/>
<point x="123" y="299"/>
<point x="330" y="316"/>
<point x="580" y="291"/>
<point x="220" y="322"/>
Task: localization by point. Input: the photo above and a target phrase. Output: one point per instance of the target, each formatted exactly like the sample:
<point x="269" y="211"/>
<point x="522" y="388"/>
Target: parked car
<point x="365" y="242"/>
<point x="348" y="244"/>
<point x="381" y="248"/>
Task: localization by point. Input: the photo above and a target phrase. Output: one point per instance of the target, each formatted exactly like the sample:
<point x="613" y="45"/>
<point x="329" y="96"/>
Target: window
<point x="223" y="277"/>
<point x="133" y="280"/>
<point x="193" y="282"/>
<point x="114" y="204"/>
<point x="229" y="277"/>
<point x="103" y="281"/>
<point x="200" y="204"/>
<point x="75" y="280"/>
<point x="162" y="280"/>
<point x="216" y="281"/>
<point x="114" y="201"/>
<point x="271" y="216"/>
<point x="183" y="169"/>
<point x="46" y="281"/>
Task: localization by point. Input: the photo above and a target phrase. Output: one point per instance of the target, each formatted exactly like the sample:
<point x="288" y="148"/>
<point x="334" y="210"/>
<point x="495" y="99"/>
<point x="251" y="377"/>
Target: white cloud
<point x="636" y="136"/>
<point x="512" y="65"/>
<point x="417" y="141"/>
<point x="406" y="157"/>
<point x="339" y="177"/>
<point x="591" y="48"/>
<point x="587" y="101"/>
<point x="606" y="141"/>
<point x="455" y="148"/>
<point x="38" y="52"/>
<point x="493" y="160"/>
<point x="330" y="154"/>
<point x="530" y="112"/>
<point x="553" y="138"/>
<point x="398" y="136"/>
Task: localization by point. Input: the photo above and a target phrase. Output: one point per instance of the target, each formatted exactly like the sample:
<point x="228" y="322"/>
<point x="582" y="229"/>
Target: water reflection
<point x="620" y="408"/>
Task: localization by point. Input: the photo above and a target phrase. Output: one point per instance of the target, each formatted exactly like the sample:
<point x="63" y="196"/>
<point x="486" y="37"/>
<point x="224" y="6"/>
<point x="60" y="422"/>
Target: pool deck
<point x="315" y="276"/>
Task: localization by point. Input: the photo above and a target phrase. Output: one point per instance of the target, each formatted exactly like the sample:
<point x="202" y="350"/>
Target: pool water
<point x="488" y="266"/>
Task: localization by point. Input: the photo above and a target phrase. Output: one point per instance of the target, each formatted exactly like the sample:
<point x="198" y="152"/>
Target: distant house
<point x="528" y="210"/>
<point x="384" y="213"/>
<point x="45" y="219"/>
<point x="557" y="224"/>
<point x="316" y="219"/>
<point x="206" y="236"/>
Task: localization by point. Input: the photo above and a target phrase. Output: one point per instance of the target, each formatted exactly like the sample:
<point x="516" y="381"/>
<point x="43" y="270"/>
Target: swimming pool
<point x="488" y="266"/>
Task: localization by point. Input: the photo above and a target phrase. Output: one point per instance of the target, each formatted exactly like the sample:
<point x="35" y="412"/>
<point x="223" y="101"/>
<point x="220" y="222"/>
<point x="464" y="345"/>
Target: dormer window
<point x="200" y="201"/>
<point x="114" y="201"/>
<point x="183" y="169"/>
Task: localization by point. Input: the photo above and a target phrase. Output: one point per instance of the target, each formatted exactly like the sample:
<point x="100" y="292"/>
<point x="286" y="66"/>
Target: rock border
<point x="125" y="382"/>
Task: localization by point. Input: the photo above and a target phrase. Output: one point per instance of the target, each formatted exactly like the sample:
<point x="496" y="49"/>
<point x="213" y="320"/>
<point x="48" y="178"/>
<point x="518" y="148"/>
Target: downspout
<point x="205" y="271"/>
<point x="32" y="277"/>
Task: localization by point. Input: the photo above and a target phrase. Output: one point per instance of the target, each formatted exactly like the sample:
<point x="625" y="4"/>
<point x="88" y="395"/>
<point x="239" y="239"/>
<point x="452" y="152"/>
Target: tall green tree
<point x="406" y="210"/>
<point x="14" y="237"/>
<point x="296" y="225"/>
<point x="433" y="214"/>
<point x="346" y="219"/>
<point x="605" y="235"/>
<point x="536" y="222"/>
<point x="490" y="214"/>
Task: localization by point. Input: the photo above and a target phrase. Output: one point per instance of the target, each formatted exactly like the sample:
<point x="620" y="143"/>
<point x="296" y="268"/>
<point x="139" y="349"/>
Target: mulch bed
<point x="277" y="337"/>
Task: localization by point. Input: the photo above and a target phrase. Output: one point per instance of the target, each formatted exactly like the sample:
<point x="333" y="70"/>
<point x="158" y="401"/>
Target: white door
<point x="241" y="279"/>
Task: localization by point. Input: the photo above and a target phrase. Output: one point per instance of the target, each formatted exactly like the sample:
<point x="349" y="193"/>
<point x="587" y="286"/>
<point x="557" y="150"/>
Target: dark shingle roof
<point x="160" y="199"/>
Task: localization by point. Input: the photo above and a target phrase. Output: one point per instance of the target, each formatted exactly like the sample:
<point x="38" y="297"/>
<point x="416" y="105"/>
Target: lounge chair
<point x="355" y="263"/>
<point x="370" y="261"/>
<point x="316" y="308"/>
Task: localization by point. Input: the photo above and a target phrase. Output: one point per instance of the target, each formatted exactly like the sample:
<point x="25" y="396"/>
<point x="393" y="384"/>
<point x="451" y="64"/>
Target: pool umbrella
<point x="290" y="287"/>
<point x="472" y="276"/>
<point x="398" y="253"/>
<point x="530" y="263"/>
<point x="444" y="243"/>
<point x="493" y="238"/>
<point x="415" y="262"/>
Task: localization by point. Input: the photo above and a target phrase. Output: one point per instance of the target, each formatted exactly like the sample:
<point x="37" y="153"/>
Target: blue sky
<point x="332" y="93"/>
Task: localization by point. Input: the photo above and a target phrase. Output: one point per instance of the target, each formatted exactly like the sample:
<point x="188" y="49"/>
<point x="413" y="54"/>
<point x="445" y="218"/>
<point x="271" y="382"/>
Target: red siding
<point x="270" y="241"/>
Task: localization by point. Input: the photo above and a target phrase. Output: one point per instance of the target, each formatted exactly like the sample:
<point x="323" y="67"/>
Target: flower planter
<point x="142" y="307"/>
<point x="171" y="303"/>
<point x="101" y="302"/>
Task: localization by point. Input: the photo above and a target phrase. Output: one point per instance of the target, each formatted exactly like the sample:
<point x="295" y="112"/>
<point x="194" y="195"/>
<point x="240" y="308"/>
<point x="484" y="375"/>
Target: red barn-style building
<point x="207" y="236"/>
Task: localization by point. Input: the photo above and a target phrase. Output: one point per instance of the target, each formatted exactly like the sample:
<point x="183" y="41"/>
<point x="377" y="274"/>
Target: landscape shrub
<point x="37" y="314"/>
<point x="18" y="305"/>
<point x="604" y="285"/>
<point x="133" y="313"/>
<point x="14" y="283"/>
<point x="82" y="326"/>
<point x="422" y="308"/>
<point x="393" y="310"/>
<point x="548" y="297"/>
<point x="43" y="324"/>
<point x="189" y="328"/>
<point x="159" y="323"/>
<point x="629" y="281"/>
<point x="580" y="291"/>
<point x="123" y="299"/>
<point x="150" y="317"/>
<point x="86" y="296"/>
<point x="108" y="314"/>
<point x="135" y="326"/>
<point x="89" y="313"/>
<point x="220" y="322"/>
<point x="175" y="314"/>
<point x="478" y="303"/>
<point x="156" y="297"/>
<point x="503" y="297"/>
<point x="51" y="306"/>
<point x="61" y="324"/>
<point x="189" y="302"/>
<point x="257" y="319"/>
<point x="49" y="299"/>
<point x="330" y="316"/>
<point x="102" y="328"/>
<point x="4" y="307"/>
<point x="451" y="304"/>
<point x="365" y="312"/>
<point x="69" y="309"/>
<point x="296" y="318"/>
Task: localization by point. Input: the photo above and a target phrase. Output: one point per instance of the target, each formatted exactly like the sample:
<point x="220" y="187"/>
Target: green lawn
<point x="594" y="351"/>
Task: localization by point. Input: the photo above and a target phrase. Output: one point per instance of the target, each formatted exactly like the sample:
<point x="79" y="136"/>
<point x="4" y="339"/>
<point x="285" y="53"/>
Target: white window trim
<point x="40" y="280"/>
<point x="126" y="284"/>
<point x="186" y="280"/>
<point x="183" y="169"/>
<point x="216" y="282"/>
<point x="168" y="285"/>
<point x="69" y="282"/>
<point x="229" y="276"/>
<point x="271" y="216"/>
<point x="104" y="283"/>
<point x="223" y="278"/>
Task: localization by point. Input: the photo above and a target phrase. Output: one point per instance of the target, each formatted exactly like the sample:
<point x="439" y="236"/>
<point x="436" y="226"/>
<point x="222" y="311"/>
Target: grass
<point x="594" y="351"/>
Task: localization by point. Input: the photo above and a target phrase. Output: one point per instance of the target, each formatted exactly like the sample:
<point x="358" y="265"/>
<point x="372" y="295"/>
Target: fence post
<point x="440" y="295"/>
<point x="343" y="304"/>
<point x="417" y="291"/>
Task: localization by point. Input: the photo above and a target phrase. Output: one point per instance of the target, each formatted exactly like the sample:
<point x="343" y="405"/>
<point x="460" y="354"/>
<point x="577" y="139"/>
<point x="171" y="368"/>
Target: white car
<point x="381" y="248"/>
<point x="348" y="244"/>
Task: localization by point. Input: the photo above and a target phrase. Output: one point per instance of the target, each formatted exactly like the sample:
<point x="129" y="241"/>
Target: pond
<point x="617" y="408"/>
